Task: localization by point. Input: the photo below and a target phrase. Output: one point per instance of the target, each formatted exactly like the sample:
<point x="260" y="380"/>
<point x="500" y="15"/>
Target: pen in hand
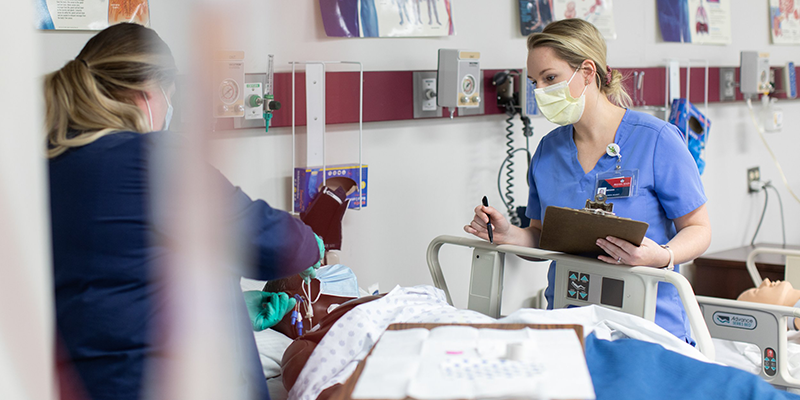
<point x="489" y="223"/>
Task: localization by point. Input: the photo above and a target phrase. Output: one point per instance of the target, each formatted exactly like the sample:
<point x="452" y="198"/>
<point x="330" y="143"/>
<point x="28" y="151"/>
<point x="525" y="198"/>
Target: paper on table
<point x="386" y="377"/>
<point x="401" y="343"/>
<point x="554" y="367"/>
<point x="566" y="375"/>
<point x="466" y="363"/>
<point x="450" y="332"/>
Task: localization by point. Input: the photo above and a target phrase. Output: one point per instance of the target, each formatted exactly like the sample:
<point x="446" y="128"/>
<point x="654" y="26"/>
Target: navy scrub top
<point x="104" y="256"/>
<point x="669" y="187"/>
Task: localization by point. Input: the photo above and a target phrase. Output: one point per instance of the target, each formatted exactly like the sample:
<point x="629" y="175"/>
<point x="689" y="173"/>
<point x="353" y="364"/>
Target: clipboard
<point x="576" y="231"/>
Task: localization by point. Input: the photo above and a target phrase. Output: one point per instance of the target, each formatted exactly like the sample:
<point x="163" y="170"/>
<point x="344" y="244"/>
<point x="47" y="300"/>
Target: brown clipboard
<point x="576" y="231"/>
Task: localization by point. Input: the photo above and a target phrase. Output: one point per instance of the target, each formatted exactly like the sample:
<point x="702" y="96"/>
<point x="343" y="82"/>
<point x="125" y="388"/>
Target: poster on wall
<point x="695" y="21"/>
<point x="387" y="18"/>
<point x="90" y="14"/>
<point x="599" y="12"/>
<point x="534" y="15"/>
<point x="784" y="21"/>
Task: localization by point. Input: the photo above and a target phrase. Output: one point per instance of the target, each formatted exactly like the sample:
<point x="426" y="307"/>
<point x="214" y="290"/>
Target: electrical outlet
<point x="753" y="175"/>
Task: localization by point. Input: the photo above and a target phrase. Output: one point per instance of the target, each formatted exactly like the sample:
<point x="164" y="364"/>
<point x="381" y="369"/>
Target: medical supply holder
<point x="640" y="283"/>
<point x="324" y="65"/>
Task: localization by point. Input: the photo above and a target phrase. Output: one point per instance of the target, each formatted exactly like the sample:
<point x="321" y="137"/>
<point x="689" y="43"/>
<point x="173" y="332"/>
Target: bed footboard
<point x="761" y="324"/>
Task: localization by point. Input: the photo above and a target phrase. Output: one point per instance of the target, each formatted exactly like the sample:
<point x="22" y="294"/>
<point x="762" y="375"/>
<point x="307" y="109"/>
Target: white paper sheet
<point x="469" y="363"/>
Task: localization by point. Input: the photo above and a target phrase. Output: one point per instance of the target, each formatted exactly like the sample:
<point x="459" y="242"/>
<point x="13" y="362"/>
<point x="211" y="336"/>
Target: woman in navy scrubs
<point x="600" y="139"/>
<point x="107" y="112"/>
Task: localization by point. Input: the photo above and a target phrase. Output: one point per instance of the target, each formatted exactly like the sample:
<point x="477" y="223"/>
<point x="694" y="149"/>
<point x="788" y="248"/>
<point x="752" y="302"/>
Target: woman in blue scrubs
<point x="107" y="115"/>
<point x="598" y="133"/>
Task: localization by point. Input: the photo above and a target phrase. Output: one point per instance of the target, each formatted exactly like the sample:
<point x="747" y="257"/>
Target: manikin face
<point x="768" y="292"/>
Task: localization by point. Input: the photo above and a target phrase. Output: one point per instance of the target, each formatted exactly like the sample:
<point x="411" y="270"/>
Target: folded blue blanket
<point x="633" y="369"/>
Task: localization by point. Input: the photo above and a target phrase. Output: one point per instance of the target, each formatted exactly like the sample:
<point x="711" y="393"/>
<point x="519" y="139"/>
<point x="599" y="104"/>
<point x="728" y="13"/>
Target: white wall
<point x="26" y="288"/>
<point x="426" y="176"/>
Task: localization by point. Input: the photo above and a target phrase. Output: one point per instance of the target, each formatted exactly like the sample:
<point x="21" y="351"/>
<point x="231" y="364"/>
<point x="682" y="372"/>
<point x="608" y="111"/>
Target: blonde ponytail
<point x="575" y="41"/>
<point x="93" y="95"/>
<point x="616" y="91"/>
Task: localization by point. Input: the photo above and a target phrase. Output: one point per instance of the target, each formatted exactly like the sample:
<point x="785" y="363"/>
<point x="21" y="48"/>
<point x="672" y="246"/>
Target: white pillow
<point x="271" y="343"/>
<point x="251" y="284"/>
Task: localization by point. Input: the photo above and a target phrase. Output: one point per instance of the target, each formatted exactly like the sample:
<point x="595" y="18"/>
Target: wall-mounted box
<point x="308" y="182"/>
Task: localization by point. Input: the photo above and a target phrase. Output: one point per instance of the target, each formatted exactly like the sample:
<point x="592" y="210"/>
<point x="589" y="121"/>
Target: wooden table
<point x="724" y="273"/>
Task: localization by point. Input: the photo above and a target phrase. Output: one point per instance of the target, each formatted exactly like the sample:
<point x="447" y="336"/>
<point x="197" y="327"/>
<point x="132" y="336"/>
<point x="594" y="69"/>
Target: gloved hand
<point x="267" y="309"/>
<point x="311" y="272"/>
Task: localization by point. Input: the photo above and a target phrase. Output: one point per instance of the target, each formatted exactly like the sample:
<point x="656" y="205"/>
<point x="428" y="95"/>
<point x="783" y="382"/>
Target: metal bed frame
<point x="623" y="288"/>
<point x="761" y="324"/>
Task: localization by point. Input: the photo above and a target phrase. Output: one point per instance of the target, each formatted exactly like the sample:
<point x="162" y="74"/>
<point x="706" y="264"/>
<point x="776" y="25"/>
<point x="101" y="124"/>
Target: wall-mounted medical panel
<point x="389" y="95"/>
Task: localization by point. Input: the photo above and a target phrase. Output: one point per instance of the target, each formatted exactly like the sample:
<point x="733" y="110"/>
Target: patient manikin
<point x="333" y="286"/>
<point x="779" y="293"/>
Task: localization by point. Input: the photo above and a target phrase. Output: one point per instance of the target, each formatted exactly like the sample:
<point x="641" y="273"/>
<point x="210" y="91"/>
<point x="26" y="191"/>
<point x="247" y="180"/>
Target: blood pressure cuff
<point x="324" y="216"/>
<point x="297" y="354"/>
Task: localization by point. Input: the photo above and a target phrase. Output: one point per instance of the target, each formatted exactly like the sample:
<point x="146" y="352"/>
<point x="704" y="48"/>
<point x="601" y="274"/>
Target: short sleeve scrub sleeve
<point x="669" y="187"/>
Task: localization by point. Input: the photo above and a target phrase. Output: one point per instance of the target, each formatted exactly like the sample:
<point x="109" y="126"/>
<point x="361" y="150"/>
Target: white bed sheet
<point x="747" y="356"/>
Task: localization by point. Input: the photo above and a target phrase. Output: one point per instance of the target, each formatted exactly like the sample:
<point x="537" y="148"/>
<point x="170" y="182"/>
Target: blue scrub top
<point x="669" y="187"/>
<point x="106" y="249"/>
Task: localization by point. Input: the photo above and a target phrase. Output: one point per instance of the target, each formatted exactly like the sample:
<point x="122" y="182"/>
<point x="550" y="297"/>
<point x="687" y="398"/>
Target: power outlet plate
<point x="753" y="175"/>
<point x="727" y="84"/>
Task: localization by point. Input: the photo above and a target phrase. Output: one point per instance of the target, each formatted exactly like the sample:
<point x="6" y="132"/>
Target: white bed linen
<point x="747" y="356"/>
<point x="276" y="389"/>
<point x="337" y="355"/>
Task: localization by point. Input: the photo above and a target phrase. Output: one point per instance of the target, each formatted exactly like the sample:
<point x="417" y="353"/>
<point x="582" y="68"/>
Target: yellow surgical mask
<point x="557" y="103"/>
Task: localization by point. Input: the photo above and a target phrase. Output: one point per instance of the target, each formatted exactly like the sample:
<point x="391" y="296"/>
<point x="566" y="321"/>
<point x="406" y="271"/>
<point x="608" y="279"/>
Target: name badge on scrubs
<point x="617" y="184"/>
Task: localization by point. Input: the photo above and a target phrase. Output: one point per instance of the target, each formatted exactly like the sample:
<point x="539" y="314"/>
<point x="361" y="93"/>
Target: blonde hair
<point x="575" y="41"/>
<point x="93" y="95"/>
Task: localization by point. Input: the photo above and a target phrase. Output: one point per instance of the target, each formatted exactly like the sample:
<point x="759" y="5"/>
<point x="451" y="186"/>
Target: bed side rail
<point x="792" y="264"/>
<point x="761" y="324"/>
<point x="579" y="281"/>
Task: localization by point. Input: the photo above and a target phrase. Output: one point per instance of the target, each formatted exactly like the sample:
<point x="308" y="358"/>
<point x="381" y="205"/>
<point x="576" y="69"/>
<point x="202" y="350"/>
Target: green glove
<point x="311" y="272"/>
<point x="267" y="309"/>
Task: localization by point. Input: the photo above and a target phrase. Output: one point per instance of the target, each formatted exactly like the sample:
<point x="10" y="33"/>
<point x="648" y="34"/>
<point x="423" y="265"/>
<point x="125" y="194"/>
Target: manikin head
<point x="293" y="286"/>
<point x="779" y="293"/>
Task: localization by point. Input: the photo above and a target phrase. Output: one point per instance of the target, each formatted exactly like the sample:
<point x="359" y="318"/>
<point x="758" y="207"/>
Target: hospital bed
<point x="637" y="291"/>
<point x="762" y="325"/>
<point x="579" y="281"/>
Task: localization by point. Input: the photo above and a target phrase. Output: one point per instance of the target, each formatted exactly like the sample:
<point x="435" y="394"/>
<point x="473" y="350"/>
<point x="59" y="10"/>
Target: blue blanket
<point x="632" y="369"/>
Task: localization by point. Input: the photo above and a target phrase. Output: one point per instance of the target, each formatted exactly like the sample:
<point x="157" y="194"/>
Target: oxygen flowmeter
<point x="459" y="79"/>
<point x="261" y="103"/>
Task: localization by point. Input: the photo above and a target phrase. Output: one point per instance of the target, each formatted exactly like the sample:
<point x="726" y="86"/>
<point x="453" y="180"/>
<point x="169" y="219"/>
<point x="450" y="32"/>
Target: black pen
<point x="488" y="224"/>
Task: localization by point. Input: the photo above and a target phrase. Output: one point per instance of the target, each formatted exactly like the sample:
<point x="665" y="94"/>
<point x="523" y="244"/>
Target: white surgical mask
<point x="338" y="280"/>
<point x="557" y="103"/>
<point x="170" y="110"/>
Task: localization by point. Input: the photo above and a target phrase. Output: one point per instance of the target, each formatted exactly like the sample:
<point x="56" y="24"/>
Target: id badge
<point x="617" y="184"/>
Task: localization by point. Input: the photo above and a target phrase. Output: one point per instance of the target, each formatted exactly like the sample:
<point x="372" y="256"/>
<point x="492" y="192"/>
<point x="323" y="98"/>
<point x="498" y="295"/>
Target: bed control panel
<point x="770" y="361"/>
<point x="606" y="291"/>
<point x="578" y="286"/>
